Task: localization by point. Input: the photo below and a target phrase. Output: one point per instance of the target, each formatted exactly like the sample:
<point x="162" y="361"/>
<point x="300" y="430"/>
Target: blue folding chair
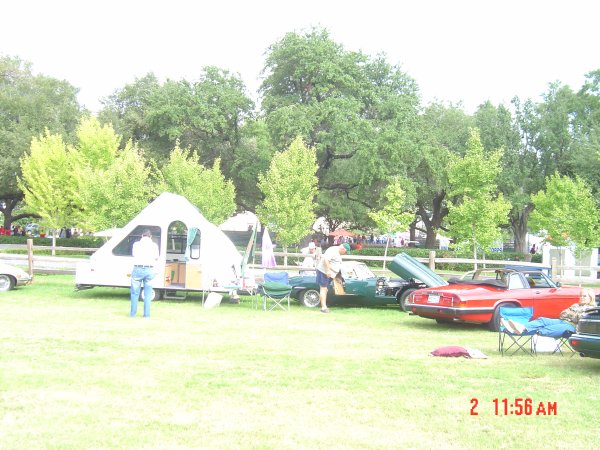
<point x="509" y="341"/>
<point x="558" y="330"/>
<point x="275" y="290"/>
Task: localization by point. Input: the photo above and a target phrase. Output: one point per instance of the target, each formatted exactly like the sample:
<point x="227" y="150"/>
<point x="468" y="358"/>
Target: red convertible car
<point x="477" y="297"/>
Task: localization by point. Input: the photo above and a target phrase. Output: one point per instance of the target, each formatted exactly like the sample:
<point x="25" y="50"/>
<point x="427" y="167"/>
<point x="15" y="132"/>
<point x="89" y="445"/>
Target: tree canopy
<point x="289" y="187"/>
<point x="29" y="105"/>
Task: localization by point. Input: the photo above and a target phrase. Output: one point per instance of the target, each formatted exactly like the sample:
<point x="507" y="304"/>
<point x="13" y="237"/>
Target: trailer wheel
<point x="153" y="296"/>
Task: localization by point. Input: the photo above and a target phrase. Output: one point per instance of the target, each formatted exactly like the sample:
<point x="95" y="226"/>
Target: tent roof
<point x="341" y="232"/>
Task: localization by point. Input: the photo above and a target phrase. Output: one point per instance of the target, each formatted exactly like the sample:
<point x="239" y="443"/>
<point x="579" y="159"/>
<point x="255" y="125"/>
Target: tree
<point x="289" y="188"/>
<point x="111" y="196"/>
<point x="29" y="104"/>
<point x="520" y="175"/>
<point x="566" y="214"/>
<point x="206" y="115"/>
<point x="253" y="157"/>
<point x="97" y="144"/>
<point x="205" y="188"/>
<point x="442" y="130"/>
<point x="355" y="111"/>
<point x="49" y="182"/>
<point x="477" y="212"/>
<point x="393" y="215"/>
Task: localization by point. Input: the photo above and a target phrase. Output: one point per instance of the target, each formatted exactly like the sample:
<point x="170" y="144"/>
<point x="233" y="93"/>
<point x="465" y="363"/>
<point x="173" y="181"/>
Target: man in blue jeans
<point x="145" y="255"/>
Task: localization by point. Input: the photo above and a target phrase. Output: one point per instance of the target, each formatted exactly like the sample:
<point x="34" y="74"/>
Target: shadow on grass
<point x="430" y="324"/>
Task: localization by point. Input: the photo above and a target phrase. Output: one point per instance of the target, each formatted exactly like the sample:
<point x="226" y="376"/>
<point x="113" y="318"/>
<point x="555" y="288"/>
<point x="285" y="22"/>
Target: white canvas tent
<point x="194" y="254"/>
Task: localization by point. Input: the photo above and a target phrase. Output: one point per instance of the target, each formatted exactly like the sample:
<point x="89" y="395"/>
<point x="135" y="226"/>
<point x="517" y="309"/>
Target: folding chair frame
<point x="561" y="342"/>
<point x="276" y="289"/>
<point x="516" y="342"/>
<point x="277" y="301"/>
<point x="520" y="342"/>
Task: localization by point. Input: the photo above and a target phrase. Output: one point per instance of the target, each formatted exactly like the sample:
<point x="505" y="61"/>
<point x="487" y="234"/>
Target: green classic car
<point x="586" y="341"/>
<point x="363" y="287"/>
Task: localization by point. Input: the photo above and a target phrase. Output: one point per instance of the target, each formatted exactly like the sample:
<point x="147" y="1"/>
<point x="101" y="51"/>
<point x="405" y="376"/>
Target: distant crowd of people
<point x="15" y="230"/>
<point x="18" y="230"/>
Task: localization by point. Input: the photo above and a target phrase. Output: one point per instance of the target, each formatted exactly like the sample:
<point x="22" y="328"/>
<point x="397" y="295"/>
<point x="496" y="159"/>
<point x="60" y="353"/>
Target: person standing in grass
<point x="328" y="268"/>
<point x="145" y="255"/>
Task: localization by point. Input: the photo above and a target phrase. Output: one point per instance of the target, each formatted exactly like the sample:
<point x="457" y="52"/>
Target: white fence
<point x="36" y="263"/>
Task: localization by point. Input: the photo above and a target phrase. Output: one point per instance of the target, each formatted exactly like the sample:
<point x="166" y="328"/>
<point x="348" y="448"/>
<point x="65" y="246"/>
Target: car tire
<point x="444" y="321"/>
<point x="494" y="324"/>
<point x="6" y="283"/>
<point x="403" y="297"/>
<point x="310" y="298"/>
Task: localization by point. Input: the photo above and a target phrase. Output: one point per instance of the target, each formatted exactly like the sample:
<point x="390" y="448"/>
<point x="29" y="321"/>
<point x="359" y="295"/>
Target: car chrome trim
<point x="451" y="311"/>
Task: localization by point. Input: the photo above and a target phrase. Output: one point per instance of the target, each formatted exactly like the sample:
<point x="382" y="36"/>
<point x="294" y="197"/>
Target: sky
<point x="465" y="51"/>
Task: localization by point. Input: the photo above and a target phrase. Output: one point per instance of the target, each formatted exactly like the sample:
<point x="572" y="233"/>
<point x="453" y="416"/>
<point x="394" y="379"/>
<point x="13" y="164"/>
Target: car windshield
<point x="485" y="274"/>
<point x="356" y="271"/>
<point x="539" y="280"/>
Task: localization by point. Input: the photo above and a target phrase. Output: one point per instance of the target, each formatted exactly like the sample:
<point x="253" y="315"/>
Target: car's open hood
<point x="408" y="267"/>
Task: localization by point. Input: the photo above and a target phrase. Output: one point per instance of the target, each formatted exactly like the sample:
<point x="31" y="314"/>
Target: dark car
<point x="586" y="341"/>
<point x="362" y="286"/>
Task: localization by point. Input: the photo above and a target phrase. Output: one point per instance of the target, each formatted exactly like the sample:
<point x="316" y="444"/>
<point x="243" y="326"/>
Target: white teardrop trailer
<point x="195" y="256"/>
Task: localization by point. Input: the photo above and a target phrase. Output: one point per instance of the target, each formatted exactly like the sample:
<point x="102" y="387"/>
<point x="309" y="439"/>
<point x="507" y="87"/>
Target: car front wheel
<point x="310" y="298"/>
<point x="403" y="298"/>
<point x="6" y="283"/>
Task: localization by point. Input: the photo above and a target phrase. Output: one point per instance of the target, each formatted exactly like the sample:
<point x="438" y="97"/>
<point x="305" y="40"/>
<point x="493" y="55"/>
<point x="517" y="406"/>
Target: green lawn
<point x="77" y="372"/>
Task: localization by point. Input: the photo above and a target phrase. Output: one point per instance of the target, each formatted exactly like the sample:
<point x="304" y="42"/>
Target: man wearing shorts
<point x="329" y="266"/>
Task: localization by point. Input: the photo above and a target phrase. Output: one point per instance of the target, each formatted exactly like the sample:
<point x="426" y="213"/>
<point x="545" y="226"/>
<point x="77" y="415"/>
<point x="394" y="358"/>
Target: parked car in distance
<point x="478" y="296"/>
<point x="586" y="340"/>
<point x="363" y="287"/>
<point x="32" y="229"/>
<point x="11" y="276"/>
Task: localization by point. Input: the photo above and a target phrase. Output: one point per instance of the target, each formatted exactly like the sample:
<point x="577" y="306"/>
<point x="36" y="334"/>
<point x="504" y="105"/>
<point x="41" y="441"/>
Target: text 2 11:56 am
<point x="517" y="407"/>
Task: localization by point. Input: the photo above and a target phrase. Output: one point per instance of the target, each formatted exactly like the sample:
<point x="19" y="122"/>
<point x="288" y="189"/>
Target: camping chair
<point x="553" y="337"/>
<point x="510" y="342"/>
<point x="275" y="290"/>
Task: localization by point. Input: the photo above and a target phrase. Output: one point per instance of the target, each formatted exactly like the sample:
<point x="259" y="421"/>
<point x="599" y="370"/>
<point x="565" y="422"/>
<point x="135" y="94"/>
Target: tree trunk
<point x="7" y="210"/>
<point x="387" y="243"/>
<point x="412" y="234"/>
<point x="518" y="225"/>
<point x="434" y="221"/>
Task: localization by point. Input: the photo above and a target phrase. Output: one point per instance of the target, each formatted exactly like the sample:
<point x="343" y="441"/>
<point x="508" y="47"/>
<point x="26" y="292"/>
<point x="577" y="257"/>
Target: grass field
<point x="76" y="372"/>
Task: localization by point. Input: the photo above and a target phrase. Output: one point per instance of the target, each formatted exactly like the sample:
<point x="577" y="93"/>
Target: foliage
<point x="441" y="131"/>
<point x="50" y="182"/>
<point x="355" y="111"/>
<point x="80" y="241"/>
<point x="206" y="115"/>
<point x="393" y="216"/>
<point x="477" y="211"/>
<point x="252" y="158"/>
<point x="205" y="188"/>
<point x="565" y="213"/>
<point x="114" y="195"/>
<point x="289" y="188"/>
<point x="97" y="144"/>
<point x="29" y="105"/>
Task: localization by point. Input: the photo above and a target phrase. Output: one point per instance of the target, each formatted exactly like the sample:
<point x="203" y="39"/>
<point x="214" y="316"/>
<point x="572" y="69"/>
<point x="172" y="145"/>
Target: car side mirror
<point x="558" y="284"/>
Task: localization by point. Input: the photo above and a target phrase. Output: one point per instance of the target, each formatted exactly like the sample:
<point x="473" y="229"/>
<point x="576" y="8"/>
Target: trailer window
<point x="125" y="247"/>
<point x="177" y="238"/>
